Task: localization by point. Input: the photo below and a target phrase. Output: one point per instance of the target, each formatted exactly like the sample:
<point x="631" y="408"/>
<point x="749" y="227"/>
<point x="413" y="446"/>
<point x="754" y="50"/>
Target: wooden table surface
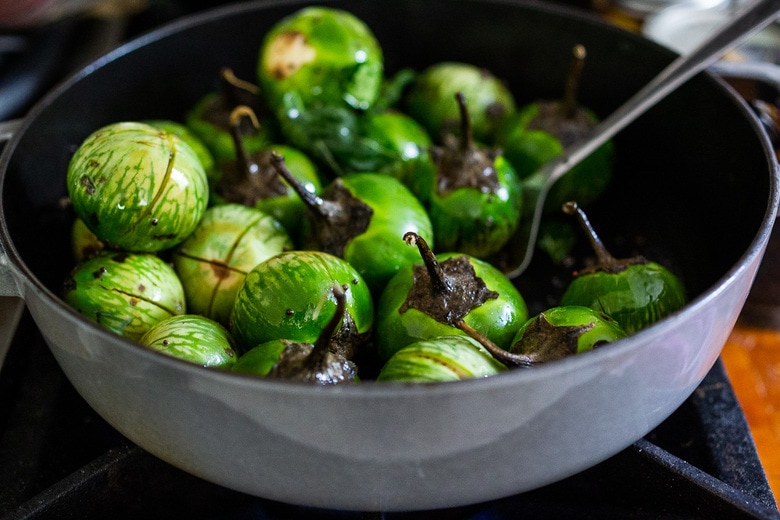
<point x="751" y="357"/>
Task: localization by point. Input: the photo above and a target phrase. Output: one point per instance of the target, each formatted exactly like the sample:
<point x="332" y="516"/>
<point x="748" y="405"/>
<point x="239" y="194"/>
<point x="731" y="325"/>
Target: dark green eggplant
<point x="251" y="179"/>
<point x="287" y="297"/>
<point x="541" y="131"/>
<point x="474" y="198"/>
<point x="359" y="218"/>
<point x="302" y="361"/>
<point x="557" y="333"/>
<point x="443" y="295"/>
<point x="634" y="291"/>
<point x="429" y="100"/>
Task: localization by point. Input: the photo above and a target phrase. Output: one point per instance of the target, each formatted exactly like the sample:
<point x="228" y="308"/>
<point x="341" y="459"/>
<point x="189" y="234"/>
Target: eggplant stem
<point x="569" y="104"/>
<point x="314" y="203"/>
<point x="246" y="164"/>
<point x="319" y="353"/>
<point x="231" y="83"/>
<point x="605" y="258"/>
<point x="466" y="139"/>
<point x="438" y="278"/>
<point x="507" y="358"/>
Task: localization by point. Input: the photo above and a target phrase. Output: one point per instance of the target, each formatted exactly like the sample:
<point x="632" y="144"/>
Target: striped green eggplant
<point x="289" y="297"/>
<point x="213" y="261"/>
<point x="443" y="358"/>
<point x="125" y="292"/>
<point x="192" y="338"/>
<point x="137" y="187"/>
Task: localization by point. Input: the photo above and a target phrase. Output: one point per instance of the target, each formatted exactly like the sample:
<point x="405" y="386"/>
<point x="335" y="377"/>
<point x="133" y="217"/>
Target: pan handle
<point x="11" y="303"/>
<point x="9" y="278"/>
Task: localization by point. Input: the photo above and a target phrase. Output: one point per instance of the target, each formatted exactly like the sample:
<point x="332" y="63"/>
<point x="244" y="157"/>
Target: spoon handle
<point x="752" y="18"/>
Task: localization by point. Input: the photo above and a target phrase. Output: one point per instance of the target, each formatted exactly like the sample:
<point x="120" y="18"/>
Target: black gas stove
<point x="59" y="459"/>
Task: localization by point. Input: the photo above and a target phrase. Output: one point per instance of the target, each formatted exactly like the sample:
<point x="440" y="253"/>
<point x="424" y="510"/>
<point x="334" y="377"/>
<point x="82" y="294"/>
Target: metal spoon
<point x="753" y="18"/>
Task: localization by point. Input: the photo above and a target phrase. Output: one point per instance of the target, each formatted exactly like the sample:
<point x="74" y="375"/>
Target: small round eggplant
<point x="444" y="358"/>
<point x="359" y="218"/>
<point x="251" y="179"/>
<point x="446" y="294"/>
<point x="429" y="99"/>
<point x="635" y="292"/>
<point x="286" y="297"/>
<point x="557" y="333"/>
<point x="213" y="261"/>
<point x="321" y="56"/>
<point x="542" y="131"/>
<point x="137" y="187"/>
<point x="302" y="361"/>
<point x="474" y="197"/>
<point x="124" y="292"/>
<point x="192" y="338"/>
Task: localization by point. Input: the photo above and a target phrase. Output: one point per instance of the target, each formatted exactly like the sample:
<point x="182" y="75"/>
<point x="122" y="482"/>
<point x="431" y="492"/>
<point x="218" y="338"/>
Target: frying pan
<point x="695" y="188"/>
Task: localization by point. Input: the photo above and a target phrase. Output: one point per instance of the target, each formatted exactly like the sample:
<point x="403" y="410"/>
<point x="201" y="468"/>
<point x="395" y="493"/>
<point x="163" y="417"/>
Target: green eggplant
<point x="541" y="131"/>
<point x="446" y="294"/>
<point x="401" y="145"/>
<point x="192" y="338"/>
<point x="214" y="260"/>
<point x="359" y="218"/>
<point x="137" y="187"/>
<point x="474" y="198"/>
<point x="303" y="361"/>
<point x="251" y="179"/>
<point x="444" y="358"/>
<point x="557" y="333"/>
<point x="126" y="293"/>
<point x="321" y="56"/>
<point x="285" y="297"/>
<point x="634" y="291"/>
<point x="429" y="100"/>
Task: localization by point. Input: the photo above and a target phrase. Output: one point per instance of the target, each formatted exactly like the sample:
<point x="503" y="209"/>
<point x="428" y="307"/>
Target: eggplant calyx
<point x="565" y="119"/>
<point x="336" y="218"/>
<point x="316" y="363"/>
<point x="446" y="291"/>
<point x="460" y="163"/>
<point x="605" y="261"/>
<point x="250" y="177"/>
<point x="543" y="341"/>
